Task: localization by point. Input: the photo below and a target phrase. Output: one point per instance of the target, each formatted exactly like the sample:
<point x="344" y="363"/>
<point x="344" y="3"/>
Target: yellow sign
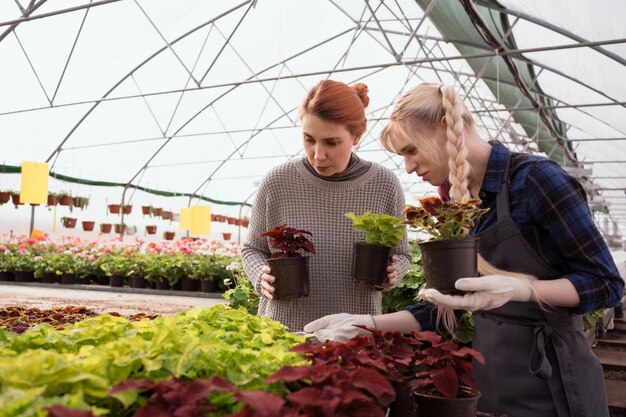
<point x="200" y="220"/>
<point x="185" y="218"/>
<point x="34" y="183"/>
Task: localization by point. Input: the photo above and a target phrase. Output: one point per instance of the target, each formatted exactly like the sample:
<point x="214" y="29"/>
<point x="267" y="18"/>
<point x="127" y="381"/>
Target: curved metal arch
<point x="82" y="119"/>
<point x="552" y="27"/>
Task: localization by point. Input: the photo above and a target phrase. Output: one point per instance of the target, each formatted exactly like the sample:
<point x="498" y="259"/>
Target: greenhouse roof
<point x="195" y="100"/>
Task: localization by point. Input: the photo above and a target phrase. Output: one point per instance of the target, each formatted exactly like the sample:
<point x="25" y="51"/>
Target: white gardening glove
<point x="340" y="327"/>
<point x="489" y="291"/>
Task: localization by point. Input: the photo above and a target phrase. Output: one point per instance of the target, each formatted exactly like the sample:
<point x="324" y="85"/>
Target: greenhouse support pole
<point x="32" y="219"/>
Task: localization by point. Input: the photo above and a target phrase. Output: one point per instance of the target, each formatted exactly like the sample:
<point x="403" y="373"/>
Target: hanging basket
<point x="66" y="200"/>
<point x="68" y="222"/>
<point x="114" y="208"/>
<point x="5" y="196"/>
<point x="106" y="227"/>
<point x="127" y="208"/>
<point x="120" y="228"/>
<point x="16" y="199"/>
<point x="227" y="236"/>
<point x="53" y="200"/>
<point x="146" y="210"/>
<point x="169" y="235"/>
<point x="88" y="225"/>
<point x="167" y="215"/>
<point x="151" y="230"/>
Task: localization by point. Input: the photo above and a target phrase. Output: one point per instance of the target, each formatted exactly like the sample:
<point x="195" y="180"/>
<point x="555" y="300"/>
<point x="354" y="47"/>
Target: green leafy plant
<point x="405" y="292"/>
<point x="380" y="229"/>
<point x="443" y="220"/>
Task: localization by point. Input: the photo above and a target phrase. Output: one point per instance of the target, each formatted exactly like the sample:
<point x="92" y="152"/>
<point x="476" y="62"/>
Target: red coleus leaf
<point x="287" y="241"/>
<point x="264" y="404"/>
<point x="61" y="411"/>
<point x="374" y="383"/>
<point x="427" y="336"/>
<point x="446" y="381"/>
<point x="131" y="384"/>
<point x="432" y="204"/>
<point x="465" y="352"/>
<point x="326" y="398"/>
<point x="290" y="374"/>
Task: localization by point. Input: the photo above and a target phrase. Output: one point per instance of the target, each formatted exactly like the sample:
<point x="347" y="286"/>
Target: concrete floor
<point x="101" y="301"/>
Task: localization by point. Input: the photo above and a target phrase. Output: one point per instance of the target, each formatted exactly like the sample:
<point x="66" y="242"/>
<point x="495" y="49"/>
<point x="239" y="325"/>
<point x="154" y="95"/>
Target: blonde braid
<point x="457" y="152"/>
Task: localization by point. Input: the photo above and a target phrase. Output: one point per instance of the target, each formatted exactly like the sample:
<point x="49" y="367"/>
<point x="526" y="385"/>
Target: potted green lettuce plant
<point x="371" y="256"/>
<point x="449" y="254"/>
<point x="288" y="265"/>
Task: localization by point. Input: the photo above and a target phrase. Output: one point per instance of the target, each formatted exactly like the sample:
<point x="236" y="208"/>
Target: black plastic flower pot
<point x="162" y="284"/>
<point x="137" y="281"/>
<point x="445" y="261"/>
<point x="7" y="276"/>
<point x="369" y="263"/>
<point x="49" y="278"/>
<point x="68" y="279"/>
<point x="24" y="276"/>
<point x="404" y="404"/>
<point x="116" y="281"/>
<point x="208" y="285"/>
<point x="189" y="284"/>
<point x="292" y="277"/>
<point x="432" y="406"/>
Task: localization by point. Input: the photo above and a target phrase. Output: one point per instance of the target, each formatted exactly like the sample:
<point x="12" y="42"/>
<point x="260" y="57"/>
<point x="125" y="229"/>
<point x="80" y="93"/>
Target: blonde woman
<point x="538" y="361"/>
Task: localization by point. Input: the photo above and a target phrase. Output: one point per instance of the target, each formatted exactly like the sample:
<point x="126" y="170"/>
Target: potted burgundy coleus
<point x="288" y="266"/>
<point x="449" y="254"/>
<point x="444" y="385"/>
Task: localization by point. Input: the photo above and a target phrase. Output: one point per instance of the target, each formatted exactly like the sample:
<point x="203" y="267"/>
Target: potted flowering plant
<point x="370" y="258"/>
<point x="448" y="255"/>
<point x="445" y="386"/>
<point x="288" y="266"/>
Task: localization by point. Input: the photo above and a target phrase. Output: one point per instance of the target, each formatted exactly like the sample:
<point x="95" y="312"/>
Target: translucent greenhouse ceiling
<point x="200" y="97"/>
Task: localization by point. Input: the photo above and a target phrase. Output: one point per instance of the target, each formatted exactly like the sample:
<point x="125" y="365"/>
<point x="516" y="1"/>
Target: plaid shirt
<point x="550" y="209"/>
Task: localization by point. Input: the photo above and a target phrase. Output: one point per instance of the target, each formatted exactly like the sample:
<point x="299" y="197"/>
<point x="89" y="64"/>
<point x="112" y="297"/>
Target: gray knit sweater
<point x="290" y="194"/>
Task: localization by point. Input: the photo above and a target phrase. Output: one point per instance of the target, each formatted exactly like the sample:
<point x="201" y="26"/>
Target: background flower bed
<point x="198" y="259"/>
<point x="77" y="366"/>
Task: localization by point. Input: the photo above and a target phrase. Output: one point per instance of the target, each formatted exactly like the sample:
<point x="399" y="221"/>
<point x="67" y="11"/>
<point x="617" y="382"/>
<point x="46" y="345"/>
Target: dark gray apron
<point x="538" y="362"/>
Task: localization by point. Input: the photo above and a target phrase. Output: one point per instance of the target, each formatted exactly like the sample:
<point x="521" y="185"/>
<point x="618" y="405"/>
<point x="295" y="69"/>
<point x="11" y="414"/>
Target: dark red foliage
<point x="287" y="241"/>
<point x="19" y="319"/>
<point x="61" y="411"/>
<point x="448" y="367"/>
<point x="174" y="397"/>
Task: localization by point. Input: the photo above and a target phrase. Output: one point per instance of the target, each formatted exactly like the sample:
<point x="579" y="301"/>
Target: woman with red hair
<point x="312" y="193"/>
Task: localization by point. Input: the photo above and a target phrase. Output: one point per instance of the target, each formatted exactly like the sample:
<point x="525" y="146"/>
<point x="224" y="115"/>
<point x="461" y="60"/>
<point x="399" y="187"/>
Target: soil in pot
<point x="431" y="406"/>
<point x="445" y="261"/>
<point x="292" y="277"/>
<point x="369" y="263"/>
